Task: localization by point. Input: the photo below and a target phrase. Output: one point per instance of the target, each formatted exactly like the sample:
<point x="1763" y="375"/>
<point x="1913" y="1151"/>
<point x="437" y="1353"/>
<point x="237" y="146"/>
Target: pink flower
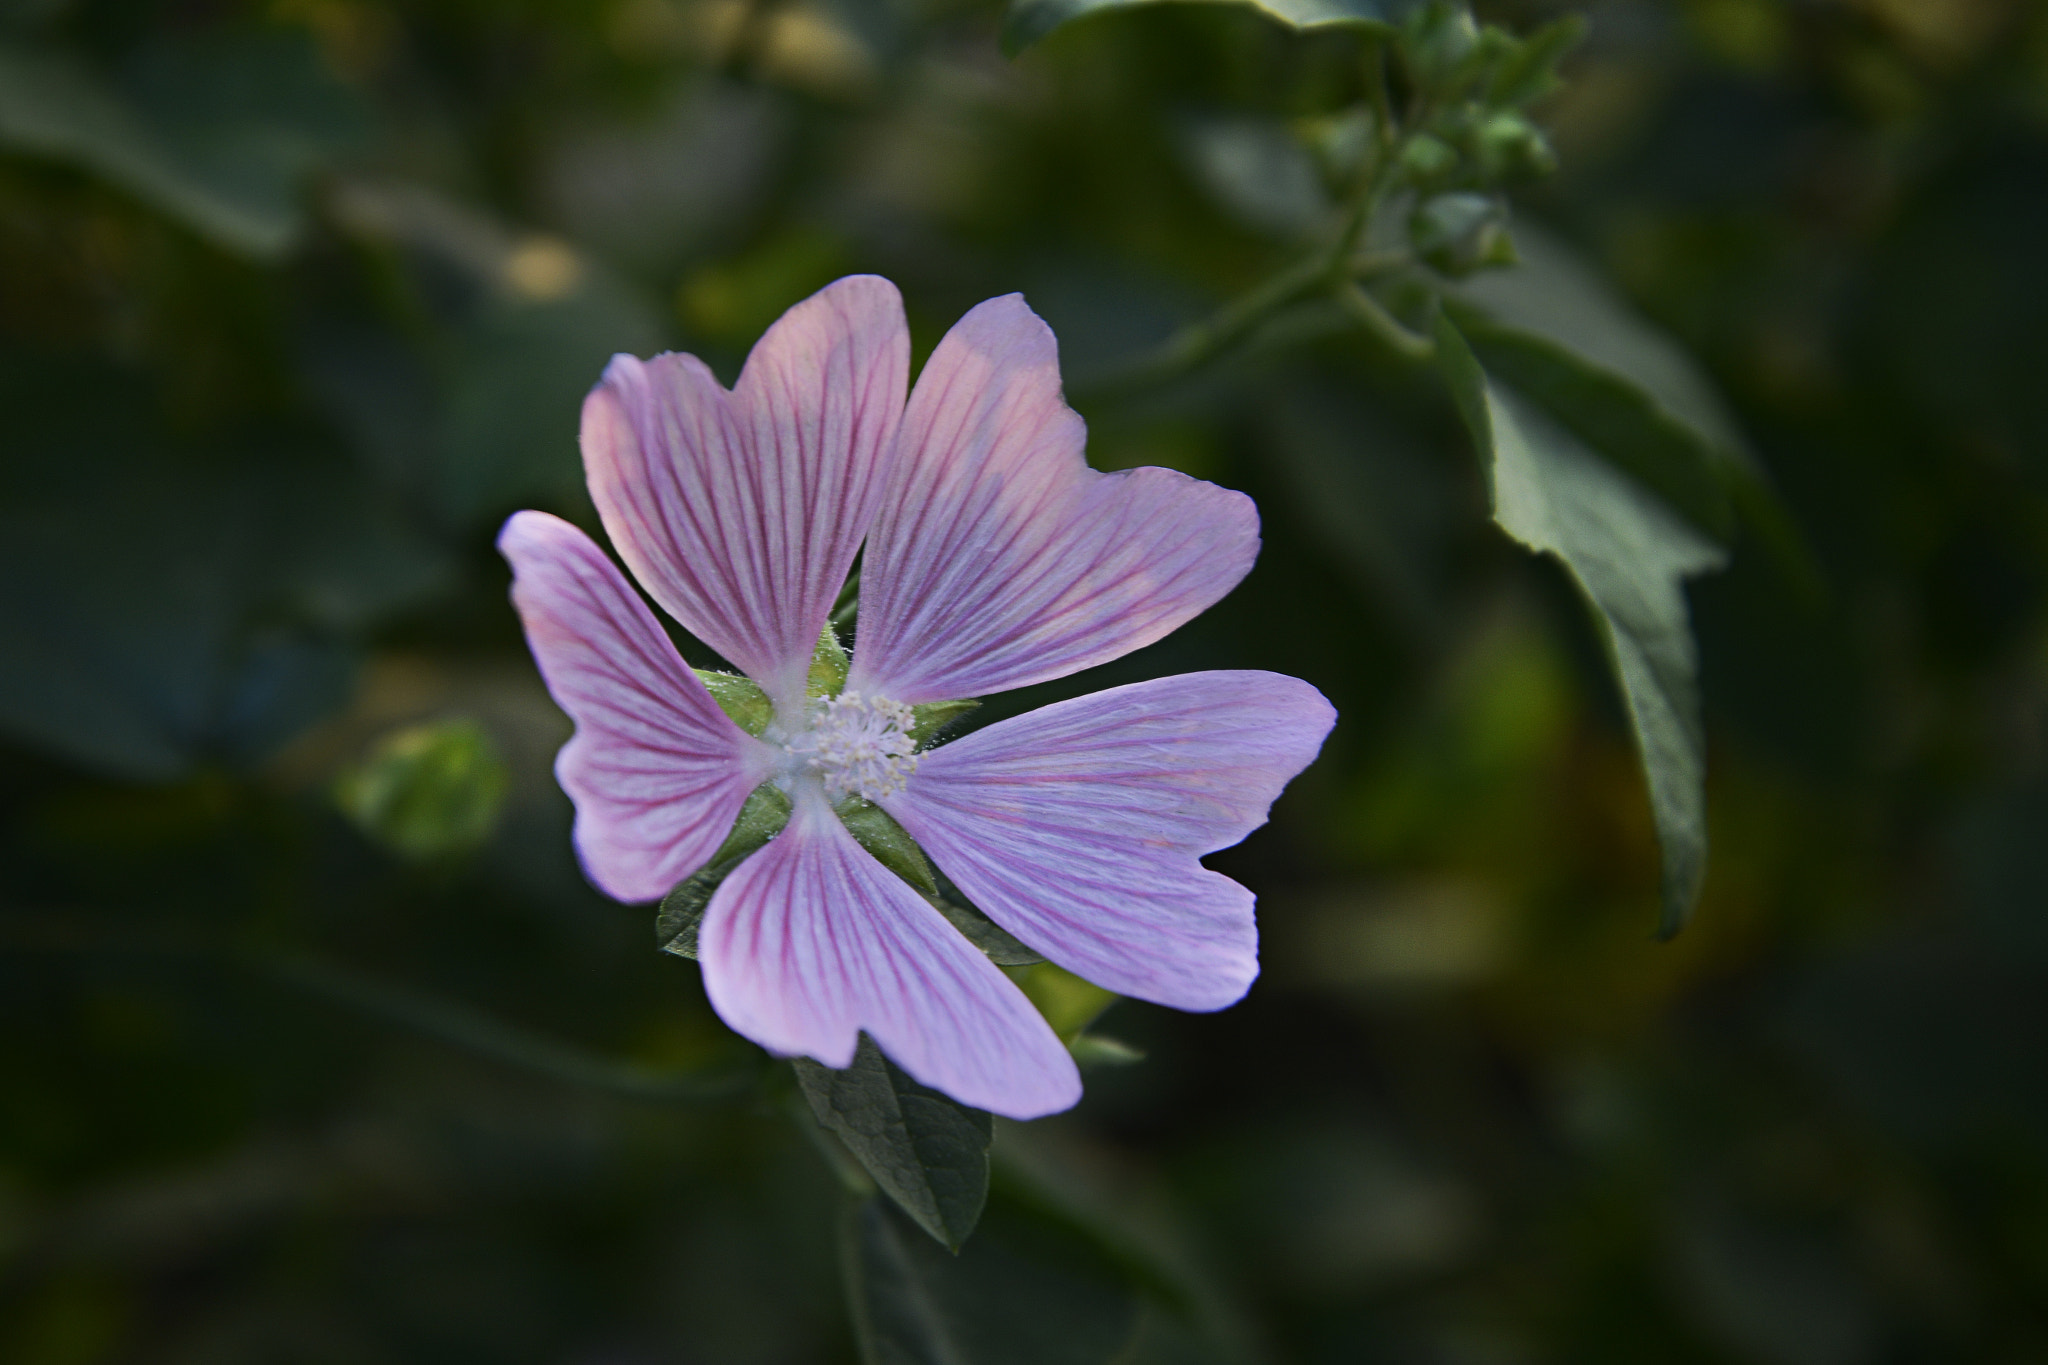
<point x="995" y="558"/>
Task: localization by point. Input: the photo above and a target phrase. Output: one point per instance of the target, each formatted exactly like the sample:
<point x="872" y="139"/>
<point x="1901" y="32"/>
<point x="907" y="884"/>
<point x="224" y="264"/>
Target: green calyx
<point x="767" y="811"/>
<point x="762" y="817"/>
<point x="740" y="698"/>
<point x="829" y="663"/>
<point x="931" y="719"/>
<point x="750" y="708"/>
<point x="874" y="830"/>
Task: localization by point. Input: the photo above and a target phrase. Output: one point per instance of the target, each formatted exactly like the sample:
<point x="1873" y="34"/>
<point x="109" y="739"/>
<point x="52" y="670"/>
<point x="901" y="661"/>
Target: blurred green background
<point x="314" y="1044"/>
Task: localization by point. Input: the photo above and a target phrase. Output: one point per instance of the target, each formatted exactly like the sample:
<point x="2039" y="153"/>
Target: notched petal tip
<point x="656" y="770"/>
<point x="1010" y="333"/>
<point x="518" y="529"/>
<point x="623" y="368"/>
<point x="1080" y="827"/>
<point x="741" y="510"/>
<point x="863" y="311"/>
<point x="999" y="558"/>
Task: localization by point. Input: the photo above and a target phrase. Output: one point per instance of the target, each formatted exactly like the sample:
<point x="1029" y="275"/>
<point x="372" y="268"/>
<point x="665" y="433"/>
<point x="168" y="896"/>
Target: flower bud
<point x="427" y="791"/>
<point x="1458" y="234"/>
<point x="1428" y="158"/>
<point x="1509" y="146"/>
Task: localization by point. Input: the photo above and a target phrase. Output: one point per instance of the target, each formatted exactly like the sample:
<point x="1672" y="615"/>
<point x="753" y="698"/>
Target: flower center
<point x="860" y="746"/>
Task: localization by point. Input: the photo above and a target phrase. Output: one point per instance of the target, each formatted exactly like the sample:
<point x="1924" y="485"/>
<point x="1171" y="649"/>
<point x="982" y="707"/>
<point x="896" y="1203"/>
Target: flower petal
<point x="999" y="558"/>
<point x="1078" y="827"/>
<point x="658" y="773"/>
<point x="741" y="512"/>
<point x="811" y="941"/>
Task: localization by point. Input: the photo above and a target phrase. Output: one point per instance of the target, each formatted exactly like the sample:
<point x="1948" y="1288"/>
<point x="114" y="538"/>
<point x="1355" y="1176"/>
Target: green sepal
<point x="682" y="910"/>
<point x="740" y="698"/>
<point x="829" y="663"/>
<point x="1069" y="1003"/>
<point x="1094" y="1050"/>
<point x="1000" y="946"/>
<point x="874" y="830"/>
<point x="928" y="719"/>
<point x="846" y="606"/>
<point x="891" y="845"/>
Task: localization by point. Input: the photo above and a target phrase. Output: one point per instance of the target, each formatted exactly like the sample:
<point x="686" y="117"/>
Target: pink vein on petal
<point x="998" y="558"/>
<point x="741" y="512"/>
<point x="1080" y="827"/>
<point x="811" y="941"/>
<point x="657" y="771"/>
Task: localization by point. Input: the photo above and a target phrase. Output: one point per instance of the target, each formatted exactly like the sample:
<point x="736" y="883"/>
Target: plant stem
<point x="1196" y="344"/>
<point x="1384" y="326"/>
<point x="1327" y="270"/>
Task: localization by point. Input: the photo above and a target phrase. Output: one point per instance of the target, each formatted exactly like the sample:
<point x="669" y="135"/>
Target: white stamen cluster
<point x="860" y="746"/>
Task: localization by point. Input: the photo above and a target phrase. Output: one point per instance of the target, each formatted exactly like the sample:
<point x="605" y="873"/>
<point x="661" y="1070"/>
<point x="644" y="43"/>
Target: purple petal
<point x="999" y="558"/>
<point x="811" y="940"/>
<point x="741" y="512"/>
<point x="658" y="773"/>
<point x="1078" y="827"/>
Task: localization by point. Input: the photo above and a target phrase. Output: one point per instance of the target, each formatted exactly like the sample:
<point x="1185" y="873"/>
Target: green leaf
<point x="929" y="719"/>
<point x="219" y="133"/>
<point x="874" y="830"/>
<point x="1030" y="21"/>
<point x="1554" y="330"/>
<point x="925" y="1151"/>
<point x="762" y="817"/>
<point x="1615" y="418"/>
<point x="1031" y="1290"/>
<point x="739" y="697"/>
<point x="1630" y="557"/>
<point x="1556" y="297"/>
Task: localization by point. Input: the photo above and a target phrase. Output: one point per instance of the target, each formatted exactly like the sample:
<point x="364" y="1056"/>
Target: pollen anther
<point x="859" y="746"/>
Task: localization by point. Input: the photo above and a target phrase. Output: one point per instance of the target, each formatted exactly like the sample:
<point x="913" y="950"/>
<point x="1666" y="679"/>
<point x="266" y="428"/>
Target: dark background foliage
<point x="314" y="1045"/>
